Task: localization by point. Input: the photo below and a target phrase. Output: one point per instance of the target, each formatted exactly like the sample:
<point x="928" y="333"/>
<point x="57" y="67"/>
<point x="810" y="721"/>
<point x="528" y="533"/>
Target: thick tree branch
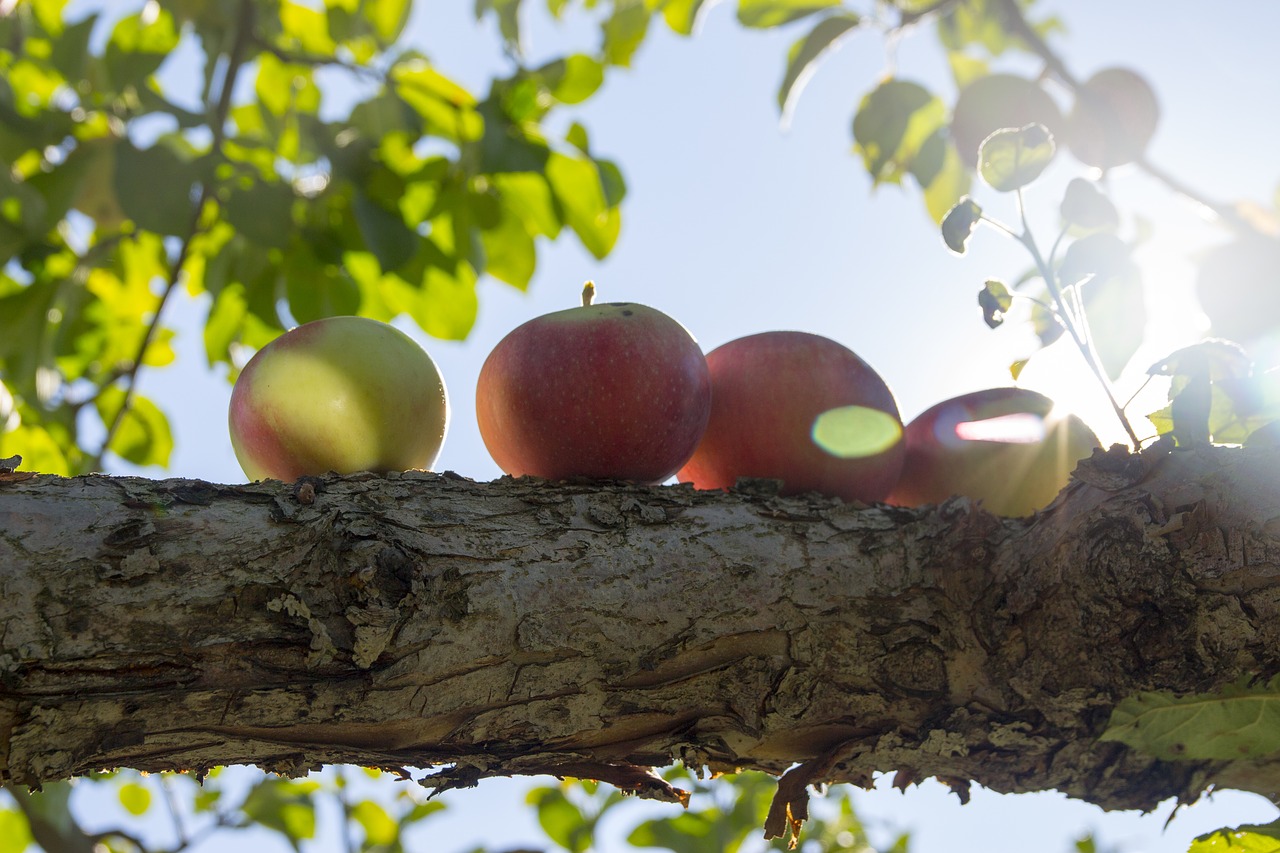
<point x="531" y="627"/>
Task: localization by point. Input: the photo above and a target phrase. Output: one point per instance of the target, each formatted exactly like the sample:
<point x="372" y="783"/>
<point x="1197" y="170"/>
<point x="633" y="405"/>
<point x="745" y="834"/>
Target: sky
<point x="734" y="226"/>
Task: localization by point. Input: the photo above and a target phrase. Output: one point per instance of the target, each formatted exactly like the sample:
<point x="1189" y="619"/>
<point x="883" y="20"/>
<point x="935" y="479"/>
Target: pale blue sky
<point x="734" y="227"/>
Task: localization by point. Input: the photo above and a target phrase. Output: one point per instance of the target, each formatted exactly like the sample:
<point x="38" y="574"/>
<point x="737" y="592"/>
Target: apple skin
<point x="1011" y="478"/>
<point x="608" y="391"/>
<point x="341" y="394"/>
<point x="767" y="391"/>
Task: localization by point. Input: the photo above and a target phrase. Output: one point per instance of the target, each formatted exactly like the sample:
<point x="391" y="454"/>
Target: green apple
<point x="342" y="394"/>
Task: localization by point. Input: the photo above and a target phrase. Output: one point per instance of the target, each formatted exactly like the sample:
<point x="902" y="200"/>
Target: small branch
<point x="244" y="34"/>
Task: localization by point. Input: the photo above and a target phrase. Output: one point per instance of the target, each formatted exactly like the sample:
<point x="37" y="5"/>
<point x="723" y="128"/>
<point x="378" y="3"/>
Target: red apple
<point x="342" y="394"/>
<point x="612" y="391"/>
<point x="802" y="409"/>
<point x="1005" y="447"/>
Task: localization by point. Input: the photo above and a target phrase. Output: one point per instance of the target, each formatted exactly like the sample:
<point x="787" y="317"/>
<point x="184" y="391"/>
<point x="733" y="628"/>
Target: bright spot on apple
<point x="856" y="432"/>
<point x="1017" y="428"/>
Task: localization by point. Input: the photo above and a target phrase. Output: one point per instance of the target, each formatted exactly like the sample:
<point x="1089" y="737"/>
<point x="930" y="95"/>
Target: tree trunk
<point x="523" y="626"/>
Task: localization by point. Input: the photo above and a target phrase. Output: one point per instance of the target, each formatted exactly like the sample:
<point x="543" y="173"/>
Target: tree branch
<point x="523" y="627"/>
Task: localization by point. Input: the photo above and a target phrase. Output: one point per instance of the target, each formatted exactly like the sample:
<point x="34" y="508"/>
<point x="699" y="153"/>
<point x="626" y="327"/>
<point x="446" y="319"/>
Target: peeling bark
<point x="522" y="626"/>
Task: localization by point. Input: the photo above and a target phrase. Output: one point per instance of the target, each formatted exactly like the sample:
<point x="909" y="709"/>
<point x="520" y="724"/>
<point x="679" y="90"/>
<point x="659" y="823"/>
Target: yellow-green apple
<point x="1114" y="117"/>
<point x="342" y="394"/>
<point x="610" y="391"/>
<point x="799" y="408"/>
<point x="1006" y="447"/>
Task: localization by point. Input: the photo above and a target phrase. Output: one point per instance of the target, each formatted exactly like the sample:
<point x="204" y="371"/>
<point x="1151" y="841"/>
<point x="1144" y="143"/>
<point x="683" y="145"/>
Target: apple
<point x="1005" y="447"/>
<point x="799" y="408"/>
<point x="1114" y="117"/>
<point x="342" y="394"/>
<point x="610" y="391"/>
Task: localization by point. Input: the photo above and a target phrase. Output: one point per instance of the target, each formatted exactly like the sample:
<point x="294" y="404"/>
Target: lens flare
<point x="1017" y="428"/>
<point x="855" y="432"/>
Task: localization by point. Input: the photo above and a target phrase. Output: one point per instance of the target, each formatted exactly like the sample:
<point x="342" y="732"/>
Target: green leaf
<point x="1238" y="722"/>
<point x="803" y="57"/>
<point x="573" y="79"/>
<point x="1085" y="206"/>
<point x="263" y="212"/>
<point x="576" y="183"/>
<point x="284" y="805"/>
<point x="624" y="31"/>
<point x="958" y="224"/>
<point x="529" y="196"/>
<point x="139" y="45"/>
<point x="683" y="16"/>
<point x="380" y="830"/>
<point x="384" y="232"/>
<point x="1010" y="159"/>
<point x="561" y="820"/>
<point x="950" y="183"/>
<point x="143" y="437"/>
<point x="774" y="13"/>
<point x="509" y="251"/>
<point x="138" y="174"/>
<point x="386" y="17"/>
<point x="856" y="432"/>
<point x="71" y="50"/>
<point x="317" y="290"/>
<point x="226" y="316"/>
<point x="15" y="833"/>
<point x="893" y="123"/>
<point x="508" y="14"/>
<point x="135" y="798"/>
<point x="1242" y="839"/>
<point x="994" y="299"/>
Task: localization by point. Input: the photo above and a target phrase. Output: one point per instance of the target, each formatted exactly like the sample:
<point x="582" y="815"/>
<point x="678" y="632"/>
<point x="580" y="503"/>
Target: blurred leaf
<point x="379" y="828"/>
<point x="305" y="29"/>
<point x="1085" y="206"/>
<point x="15" y="834"/>
<point x="143" y="437"/>
<point x="1238" y="721"/>
<point x="941" y="174"/>
<point x="803" y="57"/>
<point x="1242" y="839"/>
<point x="226" y="316"/>
<point x="958" y="224"/>
<point x="384" y="232"/>
<point x="508" y="14"/>
<point x="624" y="31"/>
<point x="774" y="13"/>
<point x="529" y="196"/>
<point x="994" y="299"/>
<point x="138" y="172"/>
<point x="316" y="290"/>
<point x="386" y="17"/>
<point x="71" y="50"/>
<point x="262" y="212"/>
<point x="1010" y="159"/>
<point x="573" y="79"/>
<point x="893" y="123"/>
<point x="421" y="811"/>
<point x="39" y="449"/>
<point x="580" y="194"/>
<point x="135" y="798"/>
<point x="1114" y="301"/>
<point x="682" y="15"/>
<point x="139" y="45"/>
<point x="560" y="819"/>
<point x="284" y="805"/>
<point x="509" y="251"/>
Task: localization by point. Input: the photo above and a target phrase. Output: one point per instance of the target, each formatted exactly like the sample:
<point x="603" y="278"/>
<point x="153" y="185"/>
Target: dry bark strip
<point x="599" y="630"/>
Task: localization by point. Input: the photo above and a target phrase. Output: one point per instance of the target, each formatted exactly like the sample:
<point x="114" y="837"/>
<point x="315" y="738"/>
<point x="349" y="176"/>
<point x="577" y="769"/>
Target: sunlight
<point x="1017" y="428"/>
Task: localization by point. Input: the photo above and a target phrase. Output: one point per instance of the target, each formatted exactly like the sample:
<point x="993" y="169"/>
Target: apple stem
<point x="588" y="293"/>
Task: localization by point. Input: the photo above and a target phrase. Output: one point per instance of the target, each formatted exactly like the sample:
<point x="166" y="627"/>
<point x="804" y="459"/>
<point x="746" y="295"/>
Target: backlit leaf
<point x="683" y="16"/>
<point x="384" y="232"/>
<point x="379" y="828"/>
<point x="139" y="45"/>
<point x="284" y="805"/>
<point x="803" y="57"/>
<point x="958" y="224"/>
<point x="580" y="194"/>
<point x="994" y="299"/>
<point x="1242" y="839"/>
<point x="892" y="125"/>
<point x="624" y="31"/>
<point x="143" y="437"/>
<point x="1010" y="159"/>
<point x="1239" y="721"/>
<point x="573" y="79"/>
<point x="1085" y="206"/>
<point x="774" y="13"/>
<point x="154" y="187"/>
<point x="135" y="798"/>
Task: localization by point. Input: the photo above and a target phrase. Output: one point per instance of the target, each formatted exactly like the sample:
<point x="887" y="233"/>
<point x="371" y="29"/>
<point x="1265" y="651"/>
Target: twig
<point x="220" y="113"/>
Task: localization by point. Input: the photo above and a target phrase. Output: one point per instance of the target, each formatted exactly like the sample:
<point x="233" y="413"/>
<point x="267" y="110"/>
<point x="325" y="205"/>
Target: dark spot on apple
<point x="627" y="312"/>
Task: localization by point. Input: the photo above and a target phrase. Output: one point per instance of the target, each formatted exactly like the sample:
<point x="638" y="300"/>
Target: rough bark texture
<point x="522" y="626"/>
